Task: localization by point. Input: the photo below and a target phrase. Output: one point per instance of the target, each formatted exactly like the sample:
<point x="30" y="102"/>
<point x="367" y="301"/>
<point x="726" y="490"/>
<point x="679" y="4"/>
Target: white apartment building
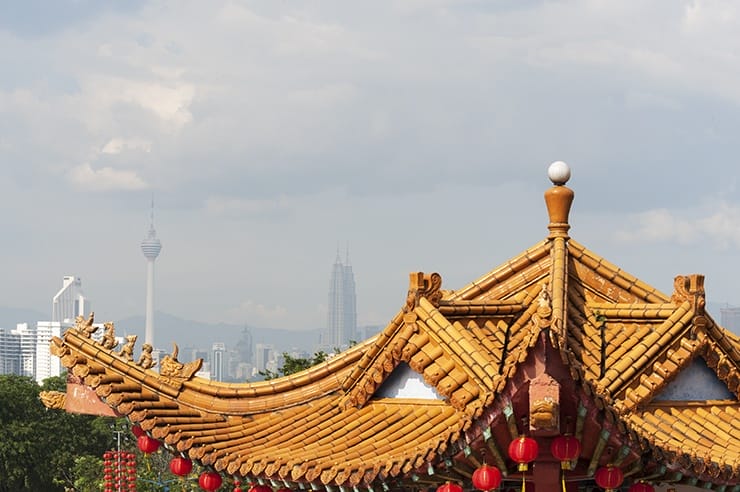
<point x="25" y="349"/>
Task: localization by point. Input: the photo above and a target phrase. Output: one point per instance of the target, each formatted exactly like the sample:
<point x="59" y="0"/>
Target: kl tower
<point x="151" y="247"/>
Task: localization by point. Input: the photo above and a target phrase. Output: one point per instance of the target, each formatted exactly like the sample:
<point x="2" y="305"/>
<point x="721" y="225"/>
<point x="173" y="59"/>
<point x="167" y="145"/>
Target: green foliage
<point x="39" y="448"/>
<point x="55" y="451"/>
<point x="291" y="364"/>
<point x="88" y="473"/>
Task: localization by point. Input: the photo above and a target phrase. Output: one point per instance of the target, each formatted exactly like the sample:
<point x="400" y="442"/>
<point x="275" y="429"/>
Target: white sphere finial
<point x="558" y="172"/>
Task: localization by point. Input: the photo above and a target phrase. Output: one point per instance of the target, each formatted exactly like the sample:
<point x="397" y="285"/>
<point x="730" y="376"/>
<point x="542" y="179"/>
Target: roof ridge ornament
<point x="558" y="199"/>
<point x="423" y="285"/>
<point x="690" y="288"/>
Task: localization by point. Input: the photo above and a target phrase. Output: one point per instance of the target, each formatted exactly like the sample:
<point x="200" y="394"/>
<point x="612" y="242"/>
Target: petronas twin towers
<point x="341" y="326"/>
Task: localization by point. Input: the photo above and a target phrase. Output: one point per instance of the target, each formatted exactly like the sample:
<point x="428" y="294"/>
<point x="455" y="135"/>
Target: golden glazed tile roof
<point x="556" y="316"/>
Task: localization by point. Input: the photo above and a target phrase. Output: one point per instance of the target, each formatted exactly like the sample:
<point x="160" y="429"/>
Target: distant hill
<point x="9" y="317"/>
<point x="188" y="333"/>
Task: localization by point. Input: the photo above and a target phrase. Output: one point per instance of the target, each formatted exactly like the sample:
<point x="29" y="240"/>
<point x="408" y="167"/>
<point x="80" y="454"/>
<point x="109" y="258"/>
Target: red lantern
<point x="523" y="450"/>
<point x="641" y="487"/>
<point x="486" y="477"/>
<point x="609" y="477"/>
<point x="260" y="488"/>
<point x="180" y="466"/>
<point x="449" y="487"/>
<point x="137" y="430"/>
<point x="147" y="444"/>
<point x="209" y="481"/>
<point x="565" y="449"/>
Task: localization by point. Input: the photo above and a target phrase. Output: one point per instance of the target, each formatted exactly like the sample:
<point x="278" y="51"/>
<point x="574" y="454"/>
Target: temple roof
<point x="556" y="340"/>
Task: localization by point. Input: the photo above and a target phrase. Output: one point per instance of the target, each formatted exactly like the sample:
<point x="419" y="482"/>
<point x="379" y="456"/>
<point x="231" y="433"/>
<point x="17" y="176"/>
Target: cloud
<point x="261" y="122"/>
<point x="104" y="179"/>
<point x="718" y="227"/>
<point x="118" y="145"/>
<point x="170" y="102"/>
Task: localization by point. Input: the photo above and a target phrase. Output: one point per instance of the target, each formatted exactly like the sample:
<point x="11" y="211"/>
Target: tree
<point x="21" y="452"/>
<point x="292" y="364"/>
<point x="73" y="436"/>
<point x="39" y="447"/>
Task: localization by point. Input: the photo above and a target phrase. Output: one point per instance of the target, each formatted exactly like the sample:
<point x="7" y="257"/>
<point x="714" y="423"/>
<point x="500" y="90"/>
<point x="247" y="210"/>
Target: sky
<point x="416" y="134"/>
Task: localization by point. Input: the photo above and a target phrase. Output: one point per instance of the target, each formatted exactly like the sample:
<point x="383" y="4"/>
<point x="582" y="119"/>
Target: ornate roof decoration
<point x="556" y="340"/>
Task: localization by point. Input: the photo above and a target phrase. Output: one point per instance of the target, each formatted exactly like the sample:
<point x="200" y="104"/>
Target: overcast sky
<point x="417" y="132"/>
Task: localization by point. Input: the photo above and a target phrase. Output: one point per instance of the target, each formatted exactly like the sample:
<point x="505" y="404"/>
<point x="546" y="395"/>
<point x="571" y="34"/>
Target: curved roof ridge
<point x="725" y="363"/>
<point x="726" y="339"/>
<point x="197" y="393"/>
<point x="373" y="347"/>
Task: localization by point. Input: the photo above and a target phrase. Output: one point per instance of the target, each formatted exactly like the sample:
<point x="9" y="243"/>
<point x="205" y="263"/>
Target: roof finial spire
<point x="559" y="199"/>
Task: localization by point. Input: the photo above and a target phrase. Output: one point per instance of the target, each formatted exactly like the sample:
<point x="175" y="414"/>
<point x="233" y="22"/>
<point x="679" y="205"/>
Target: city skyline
<point x="420" y="132"/>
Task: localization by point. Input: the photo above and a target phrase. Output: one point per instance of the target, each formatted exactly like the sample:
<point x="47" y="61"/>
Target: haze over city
<point x="415" y="134"/>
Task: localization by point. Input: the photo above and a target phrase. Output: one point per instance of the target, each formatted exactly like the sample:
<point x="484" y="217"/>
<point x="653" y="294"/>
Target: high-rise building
<point x="70" y="301"/>
<point x="244" y="346"/>
<point x="10" y="352"/>
<point x="263" y="355"/>
<point x="341" y="324"/>
<point x="218" y="351"/>
<point x="151" y="247"/>
<point x="25" y="349"/>
<point x="47" y="365"/>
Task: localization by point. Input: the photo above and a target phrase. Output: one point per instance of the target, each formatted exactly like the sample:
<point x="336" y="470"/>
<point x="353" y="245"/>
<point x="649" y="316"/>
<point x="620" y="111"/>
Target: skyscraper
<point x="218" y="350"/>
<point x="151" y="247"/>
<point x="25" y="349"/>
<point x="45" y="364"/>
<point x="341" y="325"/>
<point x="70" y="301"/>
